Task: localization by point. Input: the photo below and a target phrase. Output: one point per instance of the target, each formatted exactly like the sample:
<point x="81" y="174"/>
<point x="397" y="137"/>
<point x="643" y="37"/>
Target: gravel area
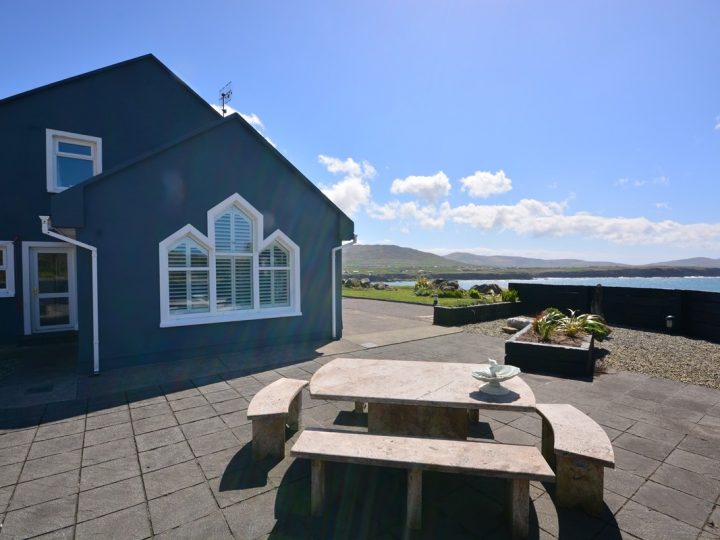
<point x="687" y="360"/>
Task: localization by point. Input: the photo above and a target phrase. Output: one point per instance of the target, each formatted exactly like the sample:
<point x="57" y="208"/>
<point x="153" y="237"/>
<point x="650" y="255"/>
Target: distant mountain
<point x="395" y="262"/>
<point x="396" y="258"/>
<point x="508" y="261"/>
<point x="694" y="262"/>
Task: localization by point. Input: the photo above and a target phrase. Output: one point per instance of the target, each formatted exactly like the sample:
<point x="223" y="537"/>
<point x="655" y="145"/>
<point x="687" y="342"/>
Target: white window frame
<point x="52" y="138"/>
<point x="168" y="320"/>
<point x="8" y="266"/>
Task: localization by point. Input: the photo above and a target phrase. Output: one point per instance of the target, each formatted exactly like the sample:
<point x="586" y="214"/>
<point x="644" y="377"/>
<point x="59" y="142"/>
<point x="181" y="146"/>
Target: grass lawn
<point x="404" y="294"/>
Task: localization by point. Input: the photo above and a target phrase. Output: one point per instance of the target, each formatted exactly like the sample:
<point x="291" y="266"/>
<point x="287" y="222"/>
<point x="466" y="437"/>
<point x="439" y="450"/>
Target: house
<point x="167" y="231"/>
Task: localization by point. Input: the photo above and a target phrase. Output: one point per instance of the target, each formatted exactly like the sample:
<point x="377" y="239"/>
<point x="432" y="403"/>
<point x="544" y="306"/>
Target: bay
<point x="690" y="283"/>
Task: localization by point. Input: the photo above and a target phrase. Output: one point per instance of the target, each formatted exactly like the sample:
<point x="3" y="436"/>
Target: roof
<point x="233" y="118"/>
<point x="144" y="58"/>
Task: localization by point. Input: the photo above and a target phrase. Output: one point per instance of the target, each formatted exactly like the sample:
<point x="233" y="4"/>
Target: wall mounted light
<point x="670" y="323"/>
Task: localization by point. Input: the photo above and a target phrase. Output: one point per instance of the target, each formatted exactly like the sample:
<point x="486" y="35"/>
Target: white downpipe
<point x="334" y="299"/>
<point x="46" y="229"/>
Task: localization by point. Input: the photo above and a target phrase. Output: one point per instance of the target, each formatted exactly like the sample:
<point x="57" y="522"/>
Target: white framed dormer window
<point x="233" y="274"/>
<point x="7" y="269"/>
<point x="71" y="158"/>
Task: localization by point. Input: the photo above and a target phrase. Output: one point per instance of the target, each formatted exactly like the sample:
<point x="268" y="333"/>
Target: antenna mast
<point x="225" y="96"/>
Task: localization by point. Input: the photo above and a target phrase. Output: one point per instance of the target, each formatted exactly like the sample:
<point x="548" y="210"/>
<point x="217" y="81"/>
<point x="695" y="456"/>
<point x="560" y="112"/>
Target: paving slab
<point x="649" y="524"/>
<point x="674" y="503"/>
<point x="173" y="478"/>
<point x="213" y="526"/>
<point x="40" y="519"/>
<point x="184" y="506"/>
<point x="44" y="489"/>
<point x="47" y="466"/>
<point x="111" y="498"/>
<point x="108" y="472"/>
<point x="132" y="523"/>
<point x="165" y="456"/>
<point x="108" y="451"/>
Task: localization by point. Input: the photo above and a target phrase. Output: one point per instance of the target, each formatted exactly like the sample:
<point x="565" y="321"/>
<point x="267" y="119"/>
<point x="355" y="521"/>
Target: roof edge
<point x="144" y="57"/>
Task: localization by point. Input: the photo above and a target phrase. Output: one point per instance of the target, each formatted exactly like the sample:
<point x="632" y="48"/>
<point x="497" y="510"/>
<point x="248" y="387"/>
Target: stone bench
<point x="518" y="464"/>
<point x="270" y="409"/>
<point x="578" y="450"/>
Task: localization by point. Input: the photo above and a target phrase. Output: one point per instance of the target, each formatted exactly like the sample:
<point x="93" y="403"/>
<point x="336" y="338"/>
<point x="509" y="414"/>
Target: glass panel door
<point x="53" y="289"/>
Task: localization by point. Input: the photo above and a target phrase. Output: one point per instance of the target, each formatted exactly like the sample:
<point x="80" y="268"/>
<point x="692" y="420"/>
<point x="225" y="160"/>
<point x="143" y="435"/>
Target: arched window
<point x="274" y="276"/>
<point x="232" y="274"/>
<point x="233" y="260"/>
<point x="185" y="264"/>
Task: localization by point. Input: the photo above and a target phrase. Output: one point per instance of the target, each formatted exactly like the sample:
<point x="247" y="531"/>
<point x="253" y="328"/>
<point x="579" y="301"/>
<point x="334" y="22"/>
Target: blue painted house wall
<point x="168" y="158"/>
<point x="134" y="106"/>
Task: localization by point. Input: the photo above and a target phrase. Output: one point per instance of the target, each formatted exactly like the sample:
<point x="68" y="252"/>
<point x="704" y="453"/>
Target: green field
<point x="404" y="294"/>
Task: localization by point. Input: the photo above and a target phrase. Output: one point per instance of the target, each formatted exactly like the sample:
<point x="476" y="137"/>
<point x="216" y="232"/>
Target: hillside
<point x="695" y="262"/>
<point x="509" y="261"/>
<point x="396" y="259"/>
<point x="394" y="262"/>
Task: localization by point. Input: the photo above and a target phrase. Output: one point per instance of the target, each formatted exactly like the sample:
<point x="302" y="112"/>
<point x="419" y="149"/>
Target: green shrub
<point x="510" y="295"/>
<point x="474" y="293"/>
<point x="553" y="320"/>
<point x="422" y="282"/>
<point x="451" y="293"/>
<point x="423" y="291"/>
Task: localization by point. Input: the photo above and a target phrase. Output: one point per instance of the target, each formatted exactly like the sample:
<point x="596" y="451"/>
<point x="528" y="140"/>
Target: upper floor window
<point x="71" y="159"/>
<point x="7" y="269"/>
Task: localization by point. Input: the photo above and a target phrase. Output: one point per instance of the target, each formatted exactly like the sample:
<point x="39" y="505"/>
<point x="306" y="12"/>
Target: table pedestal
<point x="418" y="421"/>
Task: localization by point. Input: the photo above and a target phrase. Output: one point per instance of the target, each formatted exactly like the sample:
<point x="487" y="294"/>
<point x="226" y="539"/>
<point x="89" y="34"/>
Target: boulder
<point x="519" y="322"/>
<point x="380" y="286"/>
<point x="487" y="288"/>
<point x="365" y="283"/>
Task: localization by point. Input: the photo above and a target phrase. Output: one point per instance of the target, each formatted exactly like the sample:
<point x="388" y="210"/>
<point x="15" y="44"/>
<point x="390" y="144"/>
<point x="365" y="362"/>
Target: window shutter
<point x="223" y="282"/>
<point x="178" y="291"/>
<point x="265" y="288"/>
<point x="222" y="233"/>
<point x="281" y="288"/>
<point x="243" y="282"/>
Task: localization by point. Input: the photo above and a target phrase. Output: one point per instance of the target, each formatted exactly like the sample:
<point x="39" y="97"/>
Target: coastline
<point x="508" y="274"/>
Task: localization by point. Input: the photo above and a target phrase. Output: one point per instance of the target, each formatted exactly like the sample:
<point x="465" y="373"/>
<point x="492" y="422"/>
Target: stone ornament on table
<point x="493" y="375"/>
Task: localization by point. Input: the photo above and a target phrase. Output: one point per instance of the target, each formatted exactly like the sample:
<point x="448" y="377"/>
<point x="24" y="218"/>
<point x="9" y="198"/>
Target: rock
<point x="380" y="286"/>
<point x="365" y="283"/>
<point x="518" y="323"/>
<point x="487" y="288"/>
<point x="509" y="329"/>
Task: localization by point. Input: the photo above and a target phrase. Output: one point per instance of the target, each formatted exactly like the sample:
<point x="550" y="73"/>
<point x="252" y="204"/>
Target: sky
<point x="542" y="129"/>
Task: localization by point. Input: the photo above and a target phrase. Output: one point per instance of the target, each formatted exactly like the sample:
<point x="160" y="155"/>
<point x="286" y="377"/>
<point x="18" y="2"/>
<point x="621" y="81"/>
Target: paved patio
<point x="171" y="459"/>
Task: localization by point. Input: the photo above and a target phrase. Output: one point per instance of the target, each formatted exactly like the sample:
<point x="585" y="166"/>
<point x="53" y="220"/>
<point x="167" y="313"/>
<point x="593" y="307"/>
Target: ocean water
<point x="690" y="283"/>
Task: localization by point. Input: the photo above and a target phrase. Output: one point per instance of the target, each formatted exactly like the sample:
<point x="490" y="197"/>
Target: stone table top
<point x="436" y="384"/>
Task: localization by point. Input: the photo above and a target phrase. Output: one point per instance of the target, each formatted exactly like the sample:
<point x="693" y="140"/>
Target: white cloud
<point x="349" y="167"/>
<point x="427" y="216"/>
<point x="537" y="218"/>
<point x="717" y="123"/>
<point x="482" y="184"/>
<point x="665" y="205"/>
<point x="552" y="185"/>
<point x="428" y="188"/>
<point x="252" y="119"/>
<point x="353" y="190"/>
<point x="661" y="180"/>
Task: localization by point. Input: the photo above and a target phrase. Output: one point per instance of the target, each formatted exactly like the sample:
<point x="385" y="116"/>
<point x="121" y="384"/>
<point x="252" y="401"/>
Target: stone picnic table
<point x="426" y="399"/>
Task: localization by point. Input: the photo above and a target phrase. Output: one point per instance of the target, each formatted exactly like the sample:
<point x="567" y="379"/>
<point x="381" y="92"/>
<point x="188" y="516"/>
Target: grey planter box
<point x="455" y="316"/>
<point x="550" y="358"/>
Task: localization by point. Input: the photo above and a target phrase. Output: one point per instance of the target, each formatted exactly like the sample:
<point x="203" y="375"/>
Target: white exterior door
<point x="52" y="298"/>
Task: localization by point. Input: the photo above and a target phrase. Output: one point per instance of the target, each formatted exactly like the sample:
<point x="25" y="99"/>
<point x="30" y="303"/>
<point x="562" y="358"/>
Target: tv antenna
<point x="225" y="96"/>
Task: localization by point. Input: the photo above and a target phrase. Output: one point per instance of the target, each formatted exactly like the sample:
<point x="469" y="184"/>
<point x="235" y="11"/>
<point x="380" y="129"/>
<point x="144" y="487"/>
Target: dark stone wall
<point x="455" y="316"/>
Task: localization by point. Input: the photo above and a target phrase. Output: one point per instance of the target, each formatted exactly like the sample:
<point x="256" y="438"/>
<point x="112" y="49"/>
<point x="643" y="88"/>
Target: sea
<point x="690" y="283"/>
